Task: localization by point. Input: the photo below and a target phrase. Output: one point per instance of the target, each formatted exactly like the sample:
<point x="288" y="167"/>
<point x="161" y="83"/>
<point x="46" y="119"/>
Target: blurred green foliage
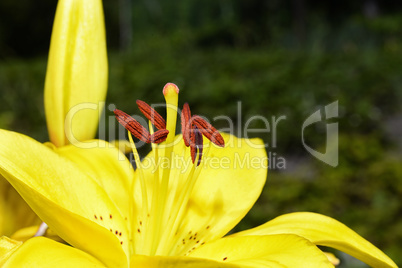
<point x="21" y="102"/>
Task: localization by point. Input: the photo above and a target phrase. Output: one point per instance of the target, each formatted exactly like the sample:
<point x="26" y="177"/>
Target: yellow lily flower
<point x="168" y="212"/>
<point x="75" y="89"/>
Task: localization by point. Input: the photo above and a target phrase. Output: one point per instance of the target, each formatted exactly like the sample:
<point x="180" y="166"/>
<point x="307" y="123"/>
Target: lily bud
<point x="76" y="77"/>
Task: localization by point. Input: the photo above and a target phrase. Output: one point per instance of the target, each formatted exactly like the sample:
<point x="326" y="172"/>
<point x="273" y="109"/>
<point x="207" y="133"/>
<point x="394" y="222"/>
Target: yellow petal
<point x="7" y="248"/>
<point x="76" y="78"/>
<point x="44" y="252"/>
<point x="228" y="186"/>
<point x="14" y="211"/>
<point x="264" y="251"/>
<point x="25" y="233"/>
<point x="175" y="262"/>
<point x="109" y="167"/>
<point x="28" y="232"/>
<point x="63" y="196"/>
<point x="324" y="231"/>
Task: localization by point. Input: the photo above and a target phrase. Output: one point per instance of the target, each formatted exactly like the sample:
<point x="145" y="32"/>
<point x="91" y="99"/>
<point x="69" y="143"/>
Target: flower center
<point x="166" y="190"/>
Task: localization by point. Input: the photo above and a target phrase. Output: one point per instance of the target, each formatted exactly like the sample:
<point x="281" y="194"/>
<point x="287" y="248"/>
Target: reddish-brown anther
<point x="208" y="130"/>
<point x="159" y="136"/>
<point x="186" y="124"/>
<point x="196" y="144"/>
<point x="152" y="115"/>
<point x="132" y="125"/>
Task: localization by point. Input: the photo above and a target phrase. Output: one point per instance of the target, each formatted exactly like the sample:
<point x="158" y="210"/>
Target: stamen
<point x="150" y="238"/>
<point x="159" y="136"/>
<point x="142" y="177"/>
<point x="160" y="218"/>
<point x="132" y="125"/>
<point x="187" y="128"/>
<point x="42" y="229"/>
<point x="177" y="213"/>
<point x="152" y="115"/>
<point x="208" y="130"/>
<point x="184" y="198"/>
<point x="196" y="144"/>
<point x="185" y="123"/>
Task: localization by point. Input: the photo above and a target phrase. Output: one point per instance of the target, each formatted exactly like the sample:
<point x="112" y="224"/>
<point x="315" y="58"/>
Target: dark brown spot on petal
<point x="225" y="258"/>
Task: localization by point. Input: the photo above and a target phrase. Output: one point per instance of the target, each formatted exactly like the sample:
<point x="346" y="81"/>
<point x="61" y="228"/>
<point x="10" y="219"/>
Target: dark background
<point x="276" y="57"/>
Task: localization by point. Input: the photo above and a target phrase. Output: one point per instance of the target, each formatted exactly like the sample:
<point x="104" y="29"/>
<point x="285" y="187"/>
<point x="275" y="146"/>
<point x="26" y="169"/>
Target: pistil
<point x="171" y="93"/>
